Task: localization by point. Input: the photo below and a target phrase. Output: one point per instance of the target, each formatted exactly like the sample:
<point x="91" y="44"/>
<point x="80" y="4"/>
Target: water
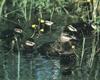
<point x="46" y="69"/>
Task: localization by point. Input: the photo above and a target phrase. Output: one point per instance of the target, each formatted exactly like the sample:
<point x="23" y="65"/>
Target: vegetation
<point x="22" y="23"/>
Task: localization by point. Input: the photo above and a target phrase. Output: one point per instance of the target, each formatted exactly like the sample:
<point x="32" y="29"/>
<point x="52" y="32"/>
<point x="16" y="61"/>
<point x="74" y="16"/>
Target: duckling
<point x="28" y="49"/>
<point x="29" y="45"/>
<point x="41" y="26"/>
<point x="18" y="32"/>
<point x="35" y="29"/>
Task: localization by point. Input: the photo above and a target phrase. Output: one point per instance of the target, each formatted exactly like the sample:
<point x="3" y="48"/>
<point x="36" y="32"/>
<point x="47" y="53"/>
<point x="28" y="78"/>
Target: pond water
<point x="41" y="68"/>
<point x="46" y="69"/>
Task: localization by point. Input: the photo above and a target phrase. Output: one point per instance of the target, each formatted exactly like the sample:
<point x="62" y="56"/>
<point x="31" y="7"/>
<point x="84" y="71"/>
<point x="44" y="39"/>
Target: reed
<point x="24" y="12"/>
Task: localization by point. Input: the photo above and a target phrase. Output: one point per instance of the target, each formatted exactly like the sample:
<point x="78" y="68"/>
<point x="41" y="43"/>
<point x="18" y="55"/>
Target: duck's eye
<point x="41" y="20"/>
<point x="71" y="28"/>
<point x="29" y="43"/>
<point x="48" y="23"/>
<point x="18" y="30"/>
<point x="34" y="26"/>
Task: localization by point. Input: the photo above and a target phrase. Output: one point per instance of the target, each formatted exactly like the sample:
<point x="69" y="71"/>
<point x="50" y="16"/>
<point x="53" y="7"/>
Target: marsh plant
<point x="27" y="25"/>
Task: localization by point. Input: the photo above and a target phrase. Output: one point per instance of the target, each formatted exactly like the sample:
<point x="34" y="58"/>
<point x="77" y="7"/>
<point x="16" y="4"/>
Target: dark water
<point x="46" y="69"/>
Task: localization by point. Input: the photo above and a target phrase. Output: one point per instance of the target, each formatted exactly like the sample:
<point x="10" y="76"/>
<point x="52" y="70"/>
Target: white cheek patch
<point x="94" y="27"/>
<point x="71" y="28"/>
<point x="49" y="23"/>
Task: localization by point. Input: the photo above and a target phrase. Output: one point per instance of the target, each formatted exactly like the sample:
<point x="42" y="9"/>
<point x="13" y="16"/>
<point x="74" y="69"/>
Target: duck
<point x="28" y="48"/>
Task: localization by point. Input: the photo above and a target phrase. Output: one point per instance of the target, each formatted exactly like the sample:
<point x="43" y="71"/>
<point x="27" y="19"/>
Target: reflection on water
<point x="46" y="69"/>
